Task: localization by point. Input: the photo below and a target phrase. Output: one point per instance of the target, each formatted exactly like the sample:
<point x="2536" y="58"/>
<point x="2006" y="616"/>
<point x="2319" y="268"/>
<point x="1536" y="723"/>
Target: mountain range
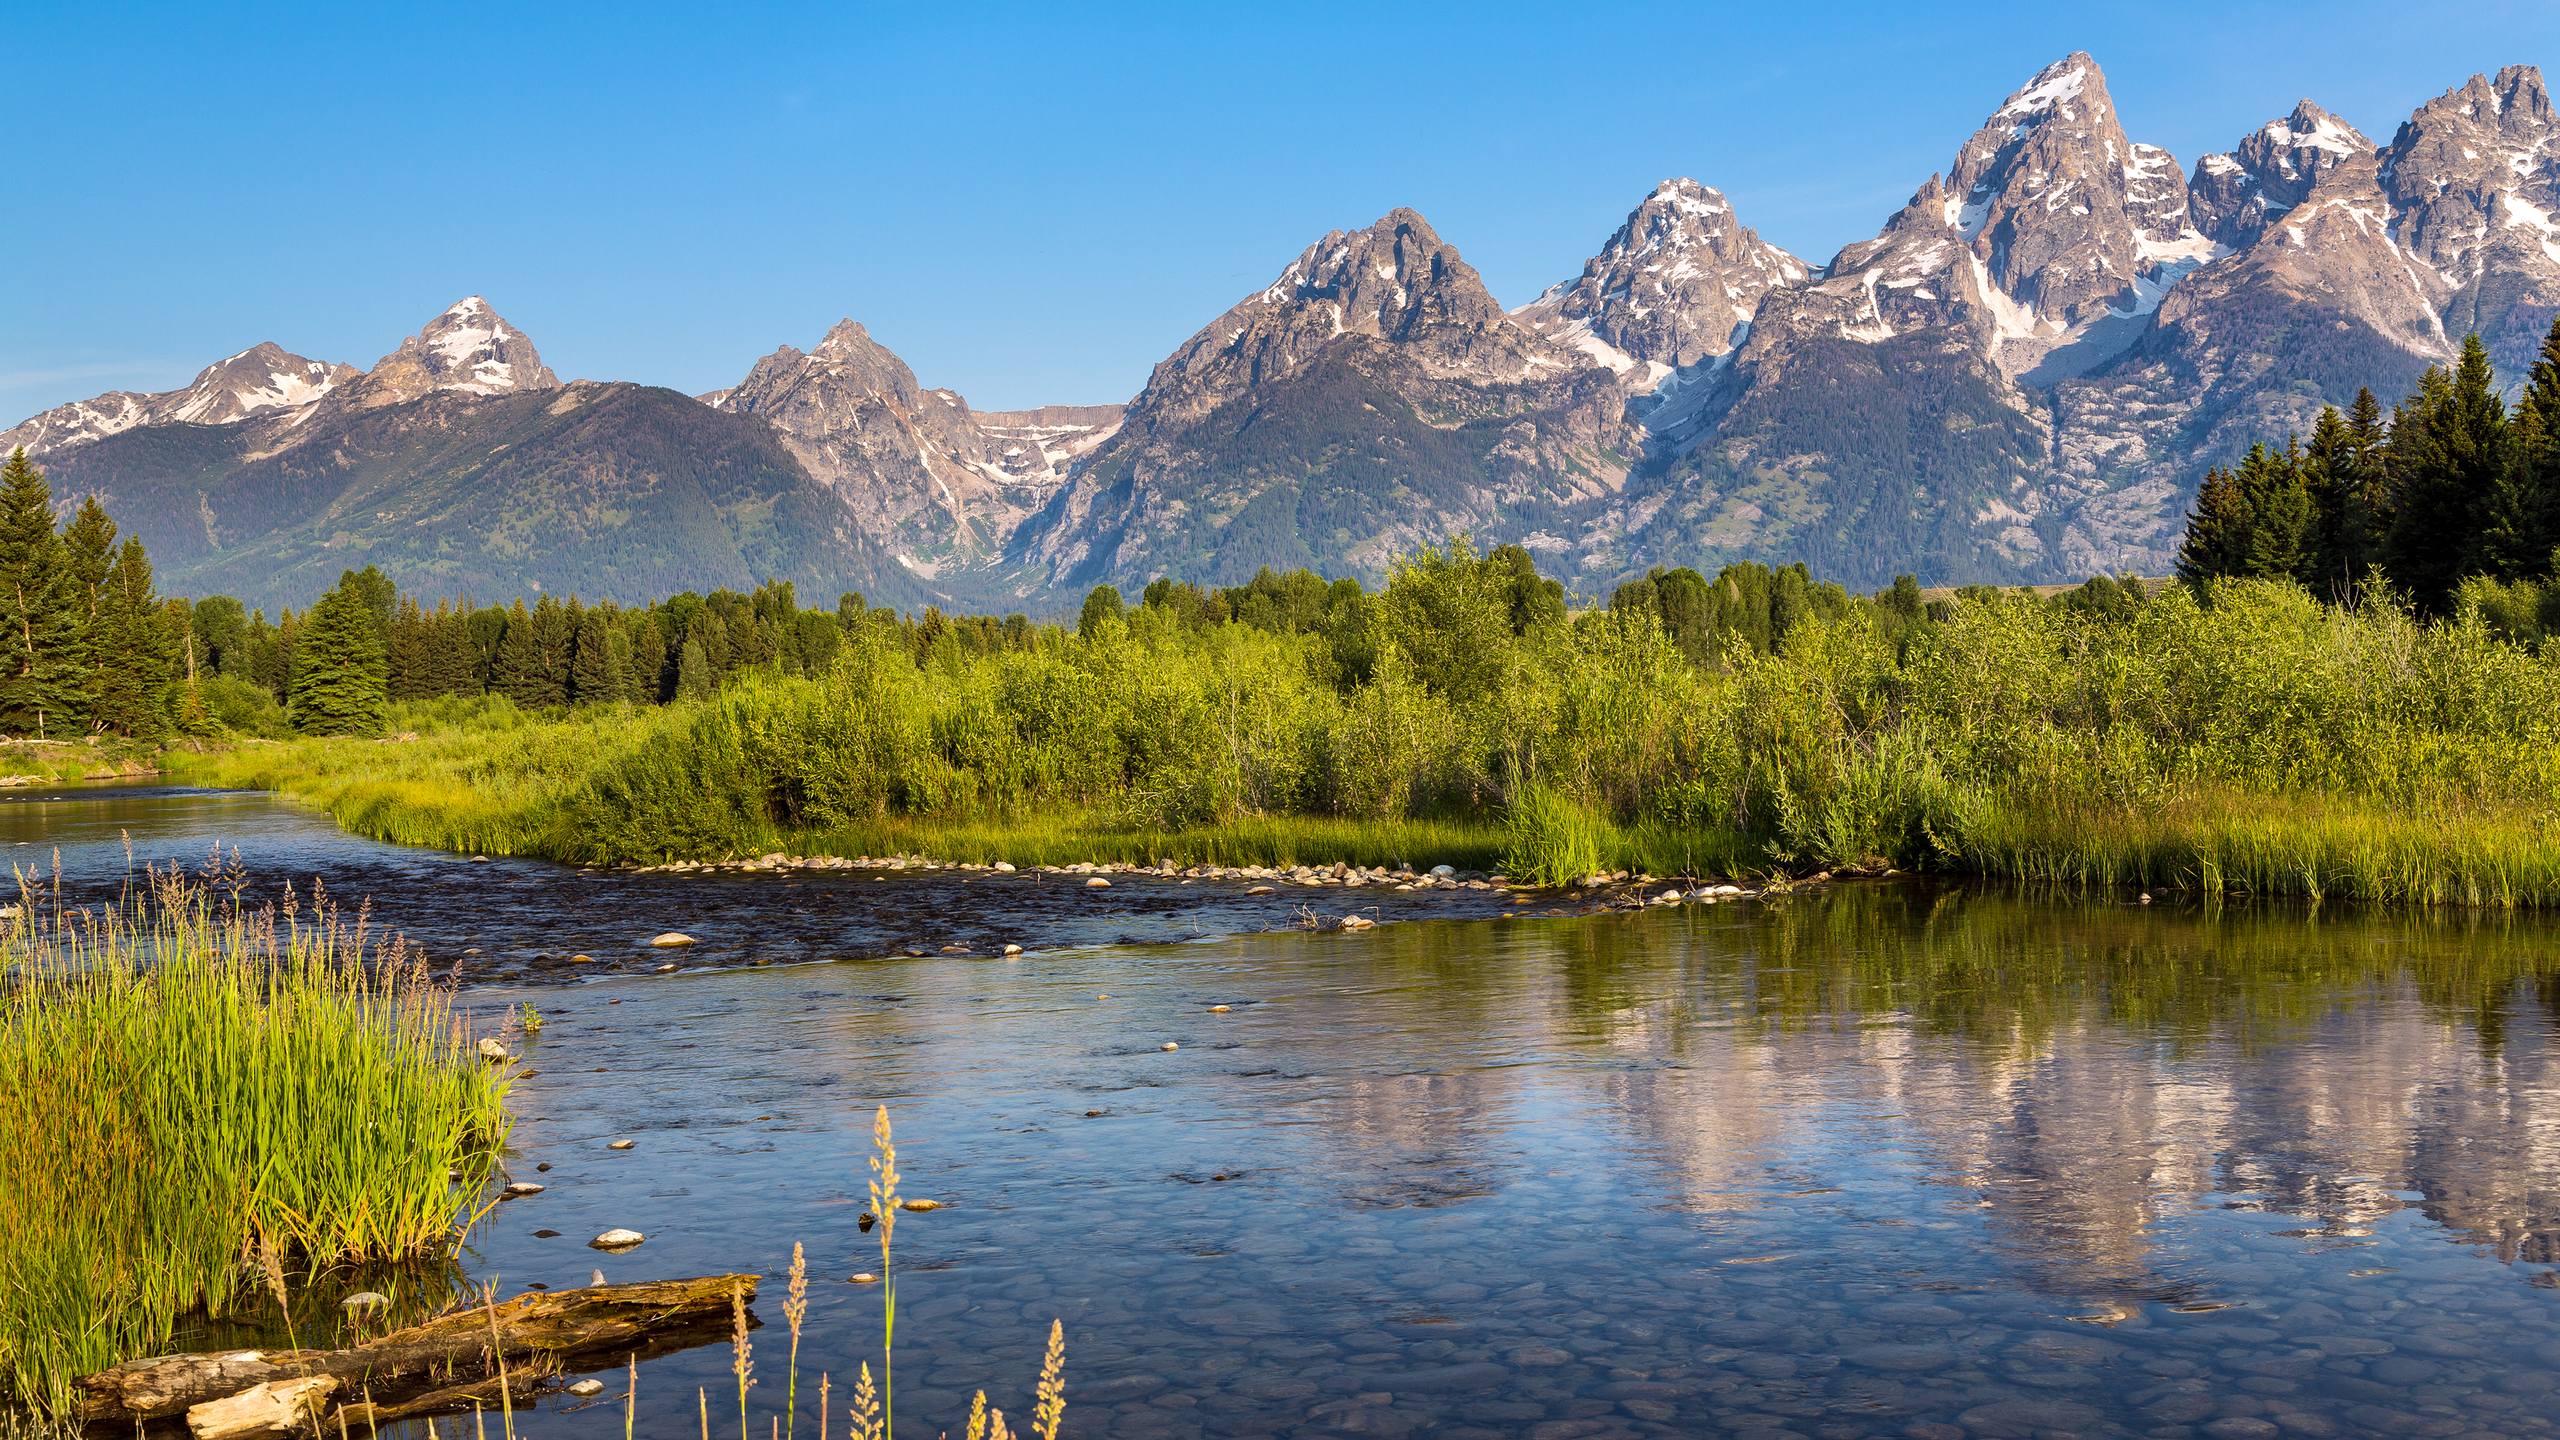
<point x="2020" y="377"/>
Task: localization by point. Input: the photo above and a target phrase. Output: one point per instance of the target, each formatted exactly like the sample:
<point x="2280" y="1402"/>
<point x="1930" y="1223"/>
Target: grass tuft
<point x="194" y="1096"/>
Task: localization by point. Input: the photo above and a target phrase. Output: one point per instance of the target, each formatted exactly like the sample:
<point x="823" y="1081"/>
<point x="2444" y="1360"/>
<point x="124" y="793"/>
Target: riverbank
<point x="54" y="762"/>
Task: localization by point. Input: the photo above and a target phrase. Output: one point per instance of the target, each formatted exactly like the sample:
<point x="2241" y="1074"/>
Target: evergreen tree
<point x="88" y="550"/>
<point x="2217" y="538"/>
<point x="380" y="596"/>
<point x="410" y="652"/>
<point x="453" y="657"/>
<point x="341" y="675"/>
<point x="271" y="654"/>
<point x="39" y="621"/>
<point x="599" y="673"/>
<point x="221" y="629"/>
<point x="2524" y="518"/>
<point x="2448" y="452"/>
<point x="2343" y="474"/>
<point x="518" y="673"/>
<point x="2279" y="511"/>
<point x="132" y="634"/>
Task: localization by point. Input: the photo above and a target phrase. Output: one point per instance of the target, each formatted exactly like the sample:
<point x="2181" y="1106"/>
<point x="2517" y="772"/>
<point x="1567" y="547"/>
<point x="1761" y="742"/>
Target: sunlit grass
<point x="185" y="1083"/>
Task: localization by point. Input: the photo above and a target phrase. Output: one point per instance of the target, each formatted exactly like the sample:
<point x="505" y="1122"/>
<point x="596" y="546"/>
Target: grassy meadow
<point x="2241" y="737"/>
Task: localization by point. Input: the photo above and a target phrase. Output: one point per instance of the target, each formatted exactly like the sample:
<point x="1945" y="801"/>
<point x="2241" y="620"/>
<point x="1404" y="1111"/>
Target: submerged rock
<point x="585" y="1388"/>
<point x="672" y="939"/>
<point x="1097" y="883"/>
<point x="364" y="1302"/>
<point x="519" y="1190"/>
<point x="617" y="1239"/>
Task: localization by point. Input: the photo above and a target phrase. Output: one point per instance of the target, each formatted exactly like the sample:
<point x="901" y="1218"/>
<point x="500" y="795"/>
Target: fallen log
<point x="545" y="1332"/>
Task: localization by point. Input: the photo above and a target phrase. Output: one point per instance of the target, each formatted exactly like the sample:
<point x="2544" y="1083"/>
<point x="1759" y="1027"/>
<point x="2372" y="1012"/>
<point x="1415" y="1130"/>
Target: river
<point x="1883" y="1159"/>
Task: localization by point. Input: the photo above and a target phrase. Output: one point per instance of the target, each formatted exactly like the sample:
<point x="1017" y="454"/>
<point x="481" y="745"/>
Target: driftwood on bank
<point x="407" y="1371"/>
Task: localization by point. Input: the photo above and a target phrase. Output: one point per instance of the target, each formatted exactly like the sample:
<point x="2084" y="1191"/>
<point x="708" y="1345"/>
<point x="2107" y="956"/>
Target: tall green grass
<point x="186" y="1084"/>
<point x="1555" y="839"/>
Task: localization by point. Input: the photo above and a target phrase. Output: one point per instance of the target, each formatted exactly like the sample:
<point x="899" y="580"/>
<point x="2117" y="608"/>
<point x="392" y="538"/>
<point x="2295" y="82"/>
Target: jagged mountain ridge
<point x="1373" y="398"/>
<point x="915" y="469"/>
<point x="2017" y="378"/>
<point x="462" y="465"/>
<point x="263" y="378"/>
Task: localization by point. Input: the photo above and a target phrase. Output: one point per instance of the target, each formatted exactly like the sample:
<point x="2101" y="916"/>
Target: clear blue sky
<point x="1030" y="203"/>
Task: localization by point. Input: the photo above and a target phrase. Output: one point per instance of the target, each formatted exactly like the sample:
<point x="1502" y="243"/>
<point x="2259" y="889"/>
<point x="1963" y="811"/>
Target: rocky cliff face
<point x="914" y="468"/>
<point x="2473" y="187"/>
<point x="1374" y="397"/>
<point x="2235" y="196"/>
<point x="1675" y="286"/>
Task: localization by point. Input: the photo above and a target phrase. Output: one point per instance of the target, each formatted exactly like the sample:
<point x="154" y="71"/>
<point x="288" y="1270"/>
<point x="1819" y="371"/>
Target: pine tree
<point x="2279" y="512"/>
<point x="222" y="635"/>
<point x="88" y="551"/>
<point x="341" y="675"/>
<point x="2524" y="518"/>
<point x="2449" y="449"/>
<point x="133" y="689"/>
<point x="534" y="655"/>
<point x="600" y="671"/>
<point x="39" y="625"/>
<point x="2217" y="538"/>
<point x="409" y="651"/>
<point x="453" y="656"/>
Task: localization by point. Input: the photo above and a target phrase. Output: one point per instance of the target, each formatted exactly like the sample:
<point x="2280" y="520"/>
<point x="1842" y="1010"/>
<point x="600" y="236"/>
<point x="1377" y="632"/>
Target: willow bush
<point x="2010" y="735"/>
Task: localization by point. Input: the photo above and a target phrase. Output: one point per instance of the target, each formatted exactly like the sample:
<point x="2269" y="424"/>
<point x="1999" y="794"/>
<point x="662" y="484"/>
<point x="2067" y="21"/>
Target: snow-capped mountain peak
<point x="263" y="379"/>
<point x="1675" y="285"/>
<point x="469" y="349"/>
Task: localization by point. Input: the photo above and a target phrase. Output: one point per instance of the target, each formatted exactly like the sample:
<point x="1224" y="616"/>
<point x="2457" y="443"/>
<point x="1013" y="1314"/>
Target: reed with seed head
<point x="741" y="1354"/>
<point x="795" y="1309"/>
<point x="884" y="1203"/>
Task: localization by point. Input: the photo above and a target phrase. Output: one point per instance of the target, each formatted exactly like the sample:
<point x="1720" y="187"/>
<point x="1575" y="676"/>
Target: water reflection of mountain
<point x="2089" y="1073"/>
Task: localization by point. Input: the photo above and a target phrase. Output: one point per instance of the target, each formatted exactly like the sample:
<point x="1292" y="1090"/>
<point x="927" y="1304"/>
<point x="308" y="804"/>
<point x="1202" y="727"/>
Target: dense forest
<point x="2454" y="502"/>
<point x="92" y="650"/>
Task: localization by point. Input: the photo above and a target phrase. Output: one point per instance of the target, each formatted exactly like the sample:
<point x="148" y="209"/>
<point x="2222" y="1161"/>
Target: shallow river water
<point x="1880" y="1160"/>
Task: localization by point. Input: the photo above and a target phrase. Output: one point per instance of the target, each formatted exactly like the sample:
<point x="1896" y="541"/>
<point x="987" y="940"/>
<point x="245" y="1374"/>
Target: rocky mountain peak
<point x="1676" y="284"/>
<point x="846" y="341"/>
<point x="264" y="379"/>
<point x="913" y="465"/>
<point x="2043" y="247"/>
<point x="2236" y="196"/>
<point x="2473" y="178"/>
<point x="1393" y="281"/>
<point x="2042" y="193"/>
<point x="468" y="349"/>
